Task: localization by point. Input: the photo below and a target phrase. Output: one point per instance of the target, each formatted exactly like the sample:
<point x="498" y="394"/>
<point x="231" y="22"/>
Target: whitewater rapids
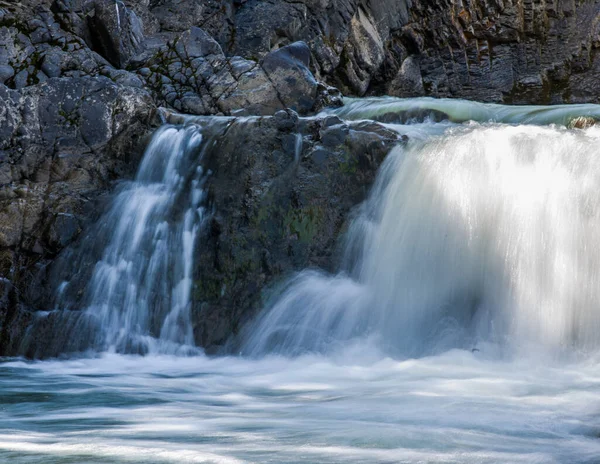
<point x="356" y="406"/>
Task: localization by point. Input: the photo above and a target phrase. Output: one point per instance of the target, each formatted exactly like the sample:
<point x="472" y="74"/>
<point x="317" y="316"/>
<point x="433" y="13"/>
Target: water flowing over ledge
<point x="409" y="110"/>
<point x="461" y="325"/>
<point x="483" y="235"/>
<point x="137" y="297"/>
<point x="474" y="233"/>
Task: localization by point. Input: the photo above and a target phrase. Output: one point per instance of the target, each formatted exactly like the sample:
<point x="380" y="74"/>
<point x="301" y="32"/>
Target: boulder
<point x="192" y="75"/>
<point x="116" y="32"/>
<point x="62" y="145"/>
<point x="281" y="190"/>
<point x="288" y="70"/>
<point x="581" y="122"/>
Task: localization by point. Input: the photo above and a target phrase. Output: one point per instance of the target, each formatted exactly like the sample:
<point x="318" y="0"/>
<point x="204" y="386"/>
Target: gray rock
<point x="276" y="211"/>
<point x="6" y="72"/>
<point x="285" y="120"/>
<point x="287" y="69"/>
<point x="193" y="75"/>
<point x="408" y="80"/>
<point x="62" y="143"/>
<point x="116" y="32"/>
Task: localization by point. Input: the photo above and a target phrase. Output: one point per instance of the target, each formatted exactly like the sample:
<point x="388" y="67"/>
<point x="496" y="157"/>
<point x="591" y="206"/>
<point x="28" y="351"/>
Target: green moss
<point x="304" y="222"/>
<point x="348" y="163"/>
<point x="208" y="289"/>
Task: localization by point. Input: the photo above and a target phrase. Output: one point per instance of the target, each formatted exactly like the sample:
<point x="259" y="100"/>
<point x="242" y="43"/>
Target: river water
<point x="462" y="327"/>
<point x="354" y="406"/>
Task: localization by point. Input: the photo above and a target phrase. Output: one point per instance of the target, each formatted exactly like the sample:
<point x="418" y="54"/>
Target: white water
<point x="487" y="234"/>
<point x="463" y="328"/>
<point x="356" y="406"/>
<point x="139" y="291"/>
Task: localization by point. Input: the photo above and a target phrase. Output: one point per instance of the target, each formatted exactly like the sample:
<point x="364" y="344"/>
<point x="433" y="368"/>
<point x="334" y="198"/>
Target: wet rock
<point x="582" y="122"/>
<point x="62" y="145"/>
<point x="278" y="207"/>
<point x="286" y="120"/>
<point x="328" y="97"/>
<point x="116" y="32"/>
<point x="413" y="115"/>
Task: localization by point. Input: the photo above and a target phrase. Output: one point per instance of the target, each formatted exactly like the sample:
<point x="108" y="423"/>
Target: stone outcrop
<point x="62" y="144"/>
<point x="192" y="74"/>
<point x="510" y="51"/>
<point x="80" y="81"/>
<point x="281" y="190"/>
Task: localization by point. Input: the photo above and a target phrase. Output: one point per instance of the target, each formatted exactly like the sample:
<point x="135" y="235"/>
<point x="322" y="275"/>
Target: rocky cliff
<point x="81" y="82"/>
<point x="511" y="51"/>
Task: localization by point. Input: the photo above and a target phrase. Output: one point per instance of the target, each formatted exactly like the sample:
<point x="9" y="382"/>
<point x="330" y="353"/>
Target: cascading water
<point x="138" y="294"/>
<point x="478" y="239"/>
<point x="486" y="234"/>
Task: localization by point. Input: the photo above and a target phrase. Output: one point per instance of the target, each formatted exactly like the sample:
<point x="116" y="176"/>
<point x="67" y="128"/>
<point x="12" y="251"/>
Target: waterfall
<point x="487" y="234"/>
<point x="137" y="296"/>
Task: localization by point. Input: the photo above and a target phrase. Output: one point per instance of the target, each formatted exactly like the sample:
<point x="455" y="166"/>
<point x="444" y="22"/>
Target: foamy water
<point x="488" y="233"/>
<point x="354" y="406"/>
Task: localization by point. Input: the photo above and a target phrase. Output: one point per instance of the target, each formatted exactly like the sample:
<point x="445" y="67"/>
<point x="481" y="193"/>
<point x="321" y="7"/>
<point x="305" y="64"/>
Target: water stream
<point x="462" y="327"/>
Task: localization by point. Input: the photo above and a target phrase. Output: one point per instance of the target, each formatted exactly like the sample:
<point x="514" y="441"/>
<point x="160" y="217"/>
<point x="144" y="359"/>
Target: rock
<point x="278" y="205"/>
<point x="328" y="97"/>
<point x="276" y="210"/>
<point x="287" y="69"/>
<point x="408" y="80"/>
<point x="6" y="72"/>
<point x="413" y="115"/>
<point x="116" y="32"/>
<point x="581" y="122"/>
<point x="80" y="79"/>
<point x="193" y="75"/>
<point x="286" y="120"/>
<point x="363" y="54"/>
<point x="64" y="142"/>
<point x="262" y="26"/>
<point x="512" y="52"/>
<point x="214" y="16"/>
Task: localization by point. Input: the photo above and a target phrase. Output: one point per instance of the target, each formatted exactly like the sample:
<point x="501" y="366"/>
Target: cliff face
<point x="81" y="80"/>
<point x="512" y="51"/>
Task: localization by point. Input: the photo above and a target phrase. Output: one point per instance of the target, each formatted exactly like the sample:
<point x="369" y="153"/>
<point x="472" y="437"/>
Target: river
<point x="462" y="327"/>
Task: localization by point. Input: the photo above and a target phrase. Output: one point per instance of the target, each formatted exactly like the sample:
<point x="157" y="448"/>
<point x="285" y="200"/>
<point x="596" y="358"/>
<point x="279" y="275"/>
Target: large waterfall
<point x="488" y="233"/>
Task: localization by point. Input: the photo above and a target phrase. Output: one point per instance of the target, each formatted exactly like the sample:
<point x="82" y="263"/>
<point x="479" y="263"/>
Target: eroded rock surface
<point x="510" y="51"/>
<point x="62" y="145"/>
<point x="80" y="82"/>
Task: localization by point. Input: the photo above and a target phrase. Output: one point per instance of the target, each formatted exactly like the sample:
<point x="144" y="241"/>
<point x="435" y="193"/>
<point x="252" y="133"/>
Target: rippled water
<point x="460" y="407"/>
